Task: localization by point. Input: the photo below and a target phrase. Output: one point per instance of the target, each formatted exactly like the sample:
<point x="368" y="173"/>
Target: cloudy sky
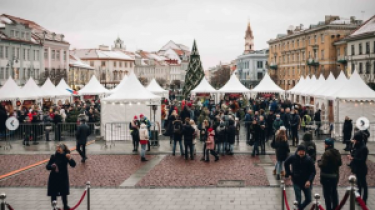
<point x="217" y="25"/>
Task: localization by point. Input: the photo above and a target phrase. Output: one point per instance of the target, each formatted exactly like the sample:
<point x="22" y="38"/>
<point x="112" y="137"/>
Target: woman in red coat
<point x="210" y="145"/>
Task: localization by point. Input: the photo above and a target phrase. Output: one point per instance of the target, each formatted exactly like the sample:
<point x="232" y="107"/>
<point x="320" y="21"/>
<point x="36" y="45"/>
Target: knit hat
<point x="189" y="105"/>
<point x="141" y="115"/>
<point x="358" y="136"/>
<point x="301" y="147"/>
<point x="329" y="141"/>
<point x="210" y="129"/>
<point x="135" y="117"/>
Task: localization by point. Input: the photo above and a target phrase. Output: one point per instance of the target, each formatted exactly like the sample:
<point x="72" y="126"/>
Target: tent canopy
<point x="333" y="86"/>
<point x="234" y="86"/>
<point x="267" y="85"/>
<point x="51" y="89"/>
<point x="298" y="85"/>
<point x="62" y="86"/>
<point x="32" y="91"/>
<point x="10" y="90"/>
<point x="307" y="86"/>
<point x="93" y="88"/>
<point x="319" y="83"/>
<point x="328" y="85"/>
<point x="132" y="91"/>
<point x="204" y="87"/>
<point x="119" y="85"/>
<point x="154" y="87"/>
<point x="355" y="90"/>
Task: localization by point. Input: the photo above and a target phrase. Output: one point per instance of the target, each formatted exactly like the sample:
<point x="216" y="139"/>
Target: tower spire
<point x="249" y="39"/>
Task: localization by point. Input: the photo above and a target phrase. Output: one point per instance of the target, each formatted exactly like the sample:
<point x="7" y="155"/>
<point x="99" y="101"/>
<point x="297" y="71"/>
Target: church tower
<point x="119" y="44"/>
<point x="249" y="40"/>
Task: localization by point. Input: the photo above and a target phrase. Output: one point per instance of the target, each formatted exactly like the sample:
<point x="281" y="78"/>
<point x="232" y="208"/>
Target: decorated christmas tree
<point x="194" y="72"/>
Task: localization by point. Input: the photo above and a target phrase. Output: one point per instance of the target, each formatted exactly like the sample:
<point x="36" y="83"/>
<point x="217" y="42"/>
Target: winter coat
<point x="286" y="120"/>
<point x="303" y="169"/>
<point x="176" y="136"/>
<point x="184" y="114"/>
<point x="281" y="147"/>
<point x="143" y="134"/>
<point x="58" y="181"/>
<point x="188" y="132"/>
<point x="134" y="129"/>
<point x="317" y="116"/>
<point x="220" y="134"/>
<point x="255" y="132"/>
<point x="171" y="119"/>
<point x="231" y="132"/>
<point x="310" y="149"/>
<point x="330" y="164"/>
<point x="347" y="130"/>
<point x="3" y="118"/>
<point x="359" y="154"/>
<point x="294" y="120"/>
<point x="277" y="124"/>
<point x="210" y="142"/>
<point x="270" y="119"/>
<point x="83" y="131"/>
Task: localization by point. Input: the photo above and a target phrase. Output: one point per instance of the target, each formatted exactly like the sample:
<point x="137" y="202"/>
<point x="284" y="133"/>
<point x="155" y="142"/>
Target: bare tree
<point x="176" y="84"/>
<point x="143" y="80"/>
<point x="161" y="81"/>
<point x="221" y="76"/>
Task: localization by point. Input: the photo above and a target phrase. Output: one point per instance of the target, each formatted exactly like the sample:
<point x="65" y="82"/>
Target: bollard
<point x="317" y="197"/>
<point x="295" y="204"/>
<point x="54" y="204"/>
<point x="2" y="198"/>
<point x="352" y="181"/>
<point x="282" y="186"/>
<point x="88" y="195"/>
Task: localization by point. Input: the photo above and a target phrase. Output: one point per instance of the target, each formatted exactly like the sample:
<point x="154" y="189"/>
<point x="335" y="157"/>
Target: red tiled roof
<point x="29" y="23"/>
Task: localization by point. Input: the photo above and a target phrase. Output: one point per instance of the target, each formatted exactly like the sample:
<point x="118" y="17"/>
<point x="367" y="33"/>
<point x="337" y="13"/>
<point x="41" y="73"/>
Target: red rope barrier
<point x="361" y="203"/>
<point x="286" y="200"/>
<point x="9" y="207"/>
<point x="80" y="201"/>
<point x="343" y="201"/>
<point x="320" y="207"/>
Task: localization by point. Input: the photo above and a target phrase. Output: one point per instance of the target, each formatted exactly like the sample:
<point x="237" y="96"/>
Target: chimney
<point x="62" y="37"/>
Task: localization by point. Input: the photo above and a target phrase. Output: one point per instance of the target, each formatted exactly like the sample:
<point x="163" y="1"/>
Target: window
<point x="28" y="54"/>
<point x="12" y="33"/>
<point x="303" y="56"/>
<point x="360" y="68"/>
<point x="315" y="54"/>
<point x="353" y="67"/>
<point x="36" y="73"/>
<point x="131" y="65"/>
<point x="92" y="63"/>
<point x="322" y="38"/>
<point x="14" y="51"/>
<point x="17" y="34"/>
<point x="45" y="53"/>
<point x="27" y="35"/>
<point x="322" y="54"/>
<point x="373" y="48"/>
<point x="352" y="50"/>
<point x="297" y="42"/>
<point x="367" y="67"/>
<point x="58" y="55"/>
<point x="360" y="49"/>
<point x="1" y="51"/>
<point x="126" y="64"/>
<point x="103" y="63"/>
<point x="64" y="56"/>
<point x="114" y="63"/>
<point x="36" y="55"/>
<point x="26" y="74"/>
<point x="18" y="54"/>
<point x="120" y="63"/>
<point x="2" y="73"/>
<point x="373" y="66"/>
<point x="367" y="47"/>
<point x="6" y="73"/>
<point x="22" y="35"/>
<point x="53" y="54"/>
<point x="315" y="39"/>
<point x="338" y="52"/>
<point x="24" y="54"/>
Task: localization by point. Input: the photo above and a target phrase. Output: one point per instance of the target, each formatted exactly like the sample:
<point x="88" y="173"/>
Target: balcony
<point x="273" y="66"/>
<point x="342" y="60"/>
<point x="312" y="62"/>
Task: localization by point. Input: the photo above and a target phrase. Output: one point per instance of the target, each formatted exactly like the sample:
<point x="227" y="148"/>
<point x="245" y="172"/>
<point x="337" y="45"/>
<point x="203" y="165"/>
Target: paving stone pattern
<point x="10" y="163"/>
<point x="175" y="171"/>
<point x="100" y="170"/>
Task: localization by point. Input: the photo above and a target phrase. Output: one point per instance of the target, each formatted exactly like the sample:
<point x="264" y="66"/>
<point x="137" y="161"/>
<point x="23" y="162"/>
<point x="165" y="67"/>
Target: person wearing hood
<point x="134" y="126"/>
<point x="329" y="166"/>
<point x="358" y="165"/>
<point x="210" y="145"/>
<point x="221" y="134"/>
<point x="144" y="137"/>
<point x="347" y="133"/>
<point x="302" y="170"/>
<point x="281" y="146"/>
<point x="231" y="136"/>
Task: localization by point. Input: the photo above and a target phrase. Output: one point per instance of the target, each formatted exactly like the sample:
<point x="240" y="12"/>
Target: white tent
<point x="131" y="99"/>
<point x="319" y="83"/>
<point x="31" y="91"/>
<point x="51" y="89"/>
<point x="300" y="85"/>
<point x="234" y="86"/>
<point x="10" y="90"/>
<point x="204" y="87"/>
<point x="267" y="85"/>
<point x="155" y="88"/>
<point x="119" y="85"/>
<point x="93" y="88"/>
<point x="307" y="86"/>
<point x="62" y="86"/>
<point x="328" y="85"/>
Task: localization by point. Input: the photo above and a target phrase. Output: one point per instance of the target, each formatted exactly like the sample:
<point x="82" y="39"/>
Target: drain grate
<point x="231" y="183"/>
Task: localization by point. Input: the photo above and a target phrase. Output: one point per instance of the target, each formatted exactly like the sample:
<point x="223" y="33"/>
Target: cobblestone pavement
<point x="100" y="170"/>
<point x="176" y="171"/>
<point x="10" y="163"/>
<point x="262" y="198"/>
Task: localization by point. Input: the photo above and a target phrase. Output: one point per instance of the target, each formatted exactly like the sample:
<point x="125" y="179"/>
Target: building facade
<point x="308" y="51"/>
<point x="80" y="73"/>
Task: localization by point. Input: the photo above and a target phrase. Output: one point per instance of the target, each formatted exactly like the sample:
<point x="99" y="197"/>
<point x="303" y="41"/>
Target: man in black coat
<point x="3" y="118"/>
<point x="358" y="165"/>
<point x="294" y="127"/>
<point x="83" y="131"/>
<point x="318" y="122"/>
<point x="231" y="135"/>
<point x="302" y="173"/>
<point x="188" y="132"/>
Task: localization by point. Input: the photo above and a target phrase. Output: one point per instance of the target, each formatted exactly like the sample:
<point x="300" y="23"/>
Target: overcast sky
<point x="217" y="25"/>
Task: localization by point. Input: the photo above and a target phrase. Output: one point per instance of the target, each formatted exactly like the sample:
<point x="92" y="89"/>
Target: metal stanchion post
<point x="317" y="197"/>
<point x="352" y="181"/>
<point x="54" y="204"/>
<point x="88" y="195"/>
<point x="282" y="186"/>
<point x="2" y="198"/>
<point x="295" y="204"/>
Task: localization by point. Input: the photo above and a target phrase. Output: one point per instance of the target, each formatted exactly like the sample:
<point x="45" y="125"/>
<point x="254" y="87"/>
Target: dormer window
<point x="17" y="34"/>
<point x="12" y="33"/>
<point x="22" y="35"/>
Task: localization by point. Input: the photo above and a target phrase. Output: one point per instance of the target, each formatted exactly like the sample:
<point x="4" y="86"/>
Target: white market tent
<point x="63" y="87"/>
<point x="307" y="86"/>
<point x="155" y="88"/>
<point x="319" y="83"/>
<point x="119" y="85"/>
<point x="300" y="85"/>
<point x="233" y="86"/>
<point x="93" y="87"/>
<point x="10" y="90"/>
<point x="267" y="85"/>
<point x="31" y="91"/>
<point x="328" y="85"/>
<point x="131" y="99"/>
<point x="205" y="87"/>
<point x="51" y="89"/>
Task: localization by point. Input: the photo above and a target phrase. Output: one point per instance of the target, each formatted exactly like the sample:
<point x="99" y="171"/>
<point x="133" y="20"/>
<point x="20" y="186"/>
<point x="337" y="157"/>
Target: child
<point x="210" y="145"/>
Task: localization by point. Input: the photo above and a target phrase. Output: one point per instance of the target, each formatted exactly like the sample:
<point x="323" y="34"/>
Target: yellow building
<point x="307" y="51"/>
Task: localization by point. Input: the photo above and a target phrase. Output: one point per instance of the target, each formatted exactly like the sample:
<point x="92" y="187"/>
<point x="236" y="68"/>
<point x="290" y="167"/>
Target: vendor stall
<point x="155" y="88"/>
<point x="267" y="85"/>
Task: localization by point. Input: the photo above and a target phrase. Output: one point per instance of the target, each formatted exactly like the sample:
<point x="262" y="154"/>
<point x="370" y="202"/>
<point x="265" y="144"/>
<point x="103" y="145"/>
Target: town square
<point x="266" y="105"/>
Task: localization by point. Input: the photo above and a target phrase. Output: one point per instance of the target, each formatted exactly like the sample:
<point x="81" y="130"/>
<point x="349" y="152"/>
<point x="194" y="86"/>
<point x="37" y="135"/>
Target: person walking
<point x="3" y="119"/>
<point x="210" y="145"/>
<point x="188" y="132"/>
<point x="310" y="145"/>
<point x="83" y="131"/>
<point x="220" y="135"/>
<point x="281" y="146"/>
<point x="177" y="135"/>
<point x="329" y="166"/>
<point x="318" y="122"/>
<point x="248" y="120"/>
<point x="144" y="137"/>
<point x="171" y="119"/>
<point x="143" y="119"/>
<point x="196" y="134"/>
<point x="57" y="120"/>
<point x="302" y="173"/>
<point x="231" y="136"/>
<point x="347" y="133"/>
<point x="294" y="127"/>
<point x="262" y="134"/>
<point x="134" y="126"/>
<point x="58" y="181"/>
<point x="255" y="133"/>
<point x="286" y="121"/>
<point x="358" y="165"/>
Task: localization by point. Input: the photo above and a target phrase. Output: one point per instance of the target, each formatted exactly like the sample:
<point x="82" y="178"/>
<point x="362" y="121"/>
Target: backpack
<point x="177" y="128"/>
